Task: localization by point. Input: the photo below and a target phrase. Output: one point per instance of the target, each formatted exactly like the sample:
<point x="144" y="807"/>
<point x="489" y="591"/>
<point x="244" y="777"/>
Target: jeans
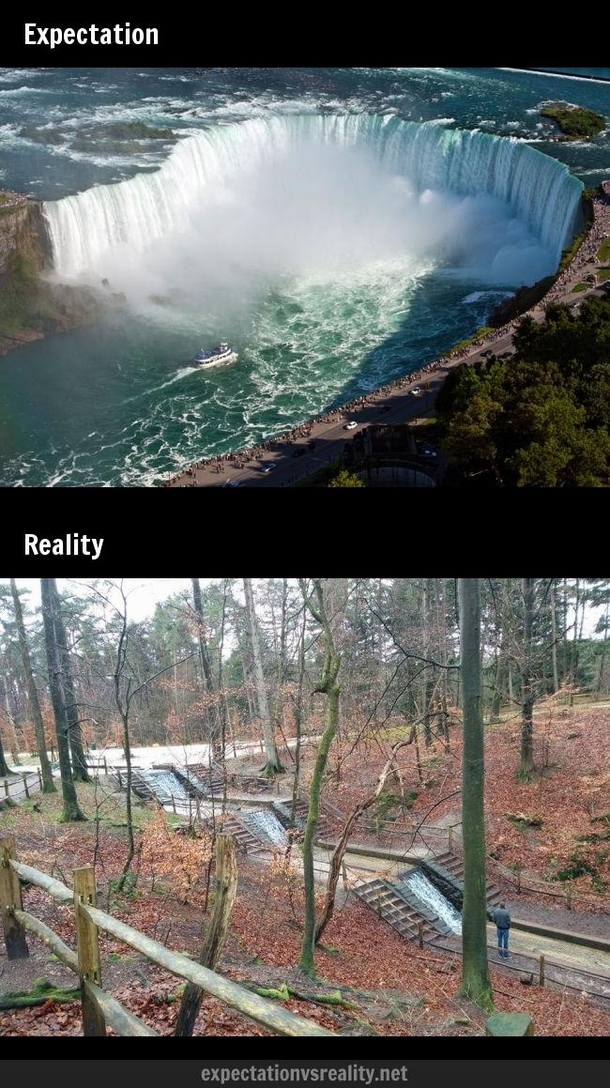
<point x="503" y="942"/>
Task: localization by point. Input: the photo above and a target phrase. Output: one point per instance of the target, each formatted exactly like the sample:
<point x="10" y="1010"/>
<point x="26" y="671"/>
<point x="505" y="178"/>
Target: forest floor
<point x="387" y="986"/>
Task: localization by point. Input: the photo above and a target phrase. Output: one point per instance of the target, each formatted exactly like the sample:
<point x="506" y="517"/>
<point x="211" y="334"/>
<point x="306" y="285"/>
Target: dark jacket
<point x="502" y="918"/>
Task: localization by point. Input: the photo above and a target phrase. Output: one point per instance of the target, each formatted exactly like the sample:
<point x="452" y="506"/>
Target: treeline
<point x="229" y="659"/>
<point x="541" y="418"/>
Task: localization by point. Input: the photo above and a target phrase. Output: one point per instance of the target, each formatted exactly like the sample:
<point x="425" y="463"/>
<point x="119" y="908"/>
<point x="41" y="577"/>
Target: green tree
<point x="346" y="479"/>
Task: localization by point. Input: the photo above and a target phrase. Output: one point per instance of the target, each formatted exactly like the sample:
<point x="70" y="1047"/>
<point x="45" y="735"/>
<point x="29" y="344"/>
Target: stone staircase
<point x="389" y="904"/>
<point x="245" y="840"/>
<point x="283" y="811"/>
<point x="212" y="777"/>
<point x="396" y="904"/>
<point x="454" y="866"/>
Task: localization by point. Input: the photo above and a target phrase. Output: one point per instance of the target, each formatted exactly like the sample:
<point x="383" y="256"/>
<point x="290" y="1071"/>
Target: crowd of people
<point x="585" y="258"/>
<point x="9" y="199"/>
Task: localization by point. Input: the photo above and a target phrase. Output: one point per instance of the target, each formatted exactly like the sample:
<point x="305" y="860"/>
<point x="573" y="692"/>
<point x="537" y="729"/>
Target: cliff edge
<point x="32" y="307"/>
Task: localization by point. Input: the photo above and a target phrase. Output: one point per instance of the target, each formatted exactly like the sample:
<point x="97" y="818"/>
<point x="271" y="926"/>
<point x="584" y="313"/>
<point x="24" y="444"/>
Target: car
<point x="232" y="483"/>
<point x="427" y="452"/>
<point x="351" y="425"/>
<point x="415" y="391"/>
<point x="487" y="353"/>
<point x="268" y="467"/>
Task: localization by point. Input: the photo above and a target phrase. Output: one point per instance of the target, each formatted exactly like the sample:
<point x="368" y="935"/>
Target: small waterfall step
<point x="212" y="778"/>
<point x="385" y="899"/>
<point x="283" y="811"/>
<point x="245" y="840"/>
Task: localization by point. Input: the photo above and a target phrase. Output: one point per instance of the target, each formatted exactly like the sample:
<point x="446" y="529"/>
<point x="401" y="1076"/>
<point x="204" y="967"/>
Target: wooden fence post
<point x="541" y="970"/>
<point x="39" y="778"/>
<point x="88" y="952"/>
<point x="25" y="785"/>
<point x="420" y="934"/>
<point x="10" y="901"/>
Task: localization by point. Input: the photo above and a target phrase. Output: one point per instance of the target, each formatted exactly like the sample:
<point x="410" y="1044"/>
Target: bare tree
<point x="50" y="608"/>
<point x="273" y="765"/>
<point x="216" y="935"/>
<point x="48" y="785"/>
<point x="212" y="713"/>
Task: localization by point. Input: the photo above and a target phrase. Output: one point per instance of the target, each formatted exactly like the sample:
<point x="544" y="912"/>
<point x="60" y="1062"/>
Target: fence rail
<point x="12" y="790"/>
<point x="99" y="1007"/>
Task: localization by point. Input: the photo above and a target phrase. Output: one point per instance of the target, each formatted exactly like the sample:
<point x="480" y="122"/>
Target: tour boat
<point x="222" y="353"/>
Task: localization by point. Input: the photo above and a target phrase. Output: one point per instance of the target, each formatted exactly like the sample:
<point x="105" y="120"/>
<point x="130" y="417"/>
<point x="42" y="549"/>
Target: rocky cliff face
<point x="30" y="306"/>
<point x="22" y="231"/>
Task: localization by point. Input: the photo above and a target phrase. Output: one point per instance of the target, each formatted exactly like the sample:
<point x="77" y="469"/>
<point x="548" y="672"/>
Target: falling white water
<point x="303" y="192"/>
<point x="265" y="825"/>
<point x="430" y="896"/>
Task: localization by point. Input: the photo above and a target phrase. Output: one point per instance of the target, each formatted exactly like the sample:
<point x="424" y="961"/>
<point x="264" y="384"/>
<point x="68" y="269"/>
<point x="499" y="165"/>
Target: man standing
<point x="501" y="918"/>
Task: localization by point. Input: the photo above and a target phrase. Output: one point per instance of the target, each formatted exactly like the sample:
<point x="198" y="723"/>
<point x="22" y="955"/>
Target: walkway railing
<point x="99" y="1007"/>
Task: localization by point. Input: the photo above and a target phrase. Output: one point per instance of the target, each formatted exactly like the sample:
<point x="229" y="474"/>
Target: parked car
<point x="269" y="467"/>
<point x="351" y="425"/>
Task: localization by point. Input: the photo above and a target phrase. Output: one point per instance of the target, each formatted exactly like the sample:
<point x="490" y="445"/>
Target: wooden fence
<point x="99" y="1007"/>
<point x="21" y="784"/>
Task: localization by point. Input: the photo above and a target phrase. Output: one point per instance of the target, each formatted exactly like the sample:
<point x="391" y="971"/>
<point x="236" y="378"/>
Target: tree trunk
<point x="554" y="637"/>
<point x="48" y="785"/>
<point x="330" y="687"/>
<point x="216" y="935"/>
<point x="75" y="739"/>
<point x="526" y="768"/>
<point x="475" y="972"/>
<point x="3" y="764"/>
<point x="273" y="765"/>
<point x="211" y="713"/>
<point x="335" y="866"/>
<point x="428" y="680"/>
<point x="71" y="810"/>
<point x="298" y="717"/>
<point x="13" y="741"/>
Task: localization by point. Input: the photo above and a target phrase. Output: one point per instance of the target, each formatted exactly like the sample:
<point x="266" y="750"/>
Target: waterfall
<point x="424" y="890"/>
<point x="134" y="213"/>
<point x="265" y="825"/>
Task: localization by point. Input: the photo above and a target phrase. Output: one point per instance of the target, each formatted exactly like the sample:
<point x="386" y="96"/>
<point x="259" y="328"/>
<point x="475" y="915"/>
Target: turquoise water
<point x="329" y="267"/>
